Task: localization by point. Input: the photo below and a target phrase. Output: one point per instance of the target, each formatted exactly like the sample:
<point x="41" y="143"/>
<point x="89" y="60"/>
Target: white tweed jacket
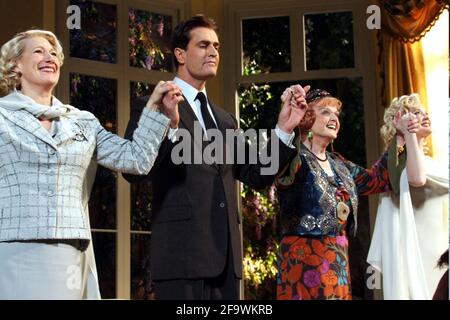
<point x="43" y="176"/>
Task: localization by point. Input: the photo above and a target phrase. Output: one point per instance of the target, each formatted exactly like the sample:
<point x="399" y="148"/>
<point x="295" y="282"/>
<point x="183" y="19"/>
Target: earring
<point x="309" y="135"/>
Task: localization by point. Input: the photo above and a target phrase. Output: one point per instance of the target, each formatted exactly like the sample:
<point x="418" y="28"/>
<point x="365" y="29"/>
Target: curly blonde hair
<point x="11" y="52"/>
<point x="403" y="104"/>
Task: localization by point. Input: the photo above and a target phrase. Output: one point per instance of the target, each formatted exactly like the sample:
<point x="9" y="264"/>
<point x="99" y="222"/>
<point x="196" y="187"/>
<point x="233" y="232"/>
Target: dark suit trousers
<point x="223" y="287"/>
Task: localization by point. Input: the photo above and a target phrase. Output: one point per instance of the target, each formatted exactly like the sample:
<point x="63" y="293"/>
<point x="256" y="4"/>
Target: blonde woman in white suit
<point x="45" y="151"/>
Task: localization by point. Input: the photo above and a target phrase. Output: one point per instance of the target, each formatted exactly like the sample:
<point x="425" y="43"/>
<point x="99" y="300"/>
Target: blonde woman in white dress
<point x="411" y="230"/>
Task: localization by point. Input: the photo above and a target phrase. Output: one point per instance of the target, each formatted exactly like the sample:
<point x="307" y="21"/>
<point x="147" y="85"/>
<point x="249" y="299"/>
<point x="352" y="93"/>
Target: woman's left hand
<point x="155" y="102"/>
<point x="170" y="103"/>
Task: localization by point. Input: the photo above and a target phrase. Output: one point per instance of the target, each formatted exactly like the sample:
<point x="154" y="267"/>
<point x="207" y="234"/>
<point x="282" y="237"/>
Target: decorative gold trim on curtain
<point x="410" y="20"/>
<point x="400" y="54"/>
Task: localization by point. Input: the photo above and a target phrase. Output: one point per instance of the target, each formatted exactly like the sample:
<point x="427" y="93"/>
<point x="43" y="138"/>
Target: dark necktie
<point x="207" y="119"/>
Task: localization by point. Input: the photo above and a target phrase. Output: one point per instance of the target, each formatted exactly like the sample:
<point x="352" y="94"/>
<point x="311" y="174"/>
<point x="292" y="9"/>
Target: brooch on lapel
<point x="343" y="211"/>
<point x="80" y="132"/>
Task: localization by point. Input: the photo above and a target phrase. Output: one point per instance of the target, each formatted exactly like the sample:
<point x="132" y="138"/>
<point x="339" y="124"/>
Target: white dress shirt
<point x="190" y="93"/>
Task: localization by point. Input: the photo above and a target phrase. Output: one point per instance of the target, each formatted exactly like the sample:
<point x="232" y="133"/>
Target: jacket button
<point x="51" y="152"/>
<point x="50" y="193"/>
<point x="222" y="205"/>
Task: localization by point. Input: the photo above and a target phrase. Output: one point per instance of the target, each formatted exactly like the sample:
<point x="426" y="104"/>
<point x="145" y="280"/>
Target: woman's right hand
<point x="293" y="108"/>
<point x="407" y="126"/>
<point x="407" y="123"/>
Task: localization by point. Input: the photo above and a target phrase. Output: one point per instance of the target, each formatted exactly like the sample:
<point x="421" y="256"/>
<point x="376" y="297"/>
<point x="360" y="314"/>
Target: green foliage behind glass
<point x="266" y="45"/>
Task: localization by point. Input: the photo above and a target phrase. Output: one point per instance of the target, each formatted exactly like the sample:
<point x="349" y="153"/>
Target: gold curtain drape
<point x="409" y="20"/>
<point x="400" y="58"/>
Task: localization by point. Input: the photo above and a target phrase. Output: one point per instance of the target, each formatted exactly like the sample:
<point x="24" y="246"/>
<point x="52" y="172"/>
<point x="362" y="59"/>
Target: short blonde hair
<point x="403" y="104"/>
<point x="11" y="52"/>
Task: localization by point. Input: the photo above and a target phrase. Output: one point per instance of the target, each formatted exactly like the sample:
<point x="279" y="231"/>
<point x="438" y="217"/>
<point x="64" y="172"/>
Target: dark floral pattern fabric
<point x="314" y="268"/>
<point x="317" y="267"/>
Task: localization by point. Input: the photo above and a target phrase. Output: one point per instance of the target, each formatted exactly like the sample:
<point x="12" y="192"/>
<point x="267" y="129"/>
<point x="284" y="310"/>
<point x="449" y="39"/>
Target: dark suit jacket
<point x="194" y="206"/>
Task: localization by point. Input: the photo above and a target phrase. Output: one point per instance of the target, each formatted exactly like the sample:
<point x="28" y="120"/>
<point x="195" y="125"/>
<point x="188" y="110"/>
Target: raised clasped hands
<point x="407" y="123"/>
<point x="293" y="107"/>
<point x="165" y="97"/>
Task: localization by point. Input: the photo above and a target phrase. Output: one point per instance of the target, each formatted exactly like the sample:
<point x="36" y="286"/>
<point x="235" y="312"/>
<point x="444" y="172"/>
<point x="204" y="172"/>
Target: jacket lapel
<point x="29" y="123"/>
<point x="69" y="130"/>
<point x="219" y="116"/>
<point x="188" y="117"/>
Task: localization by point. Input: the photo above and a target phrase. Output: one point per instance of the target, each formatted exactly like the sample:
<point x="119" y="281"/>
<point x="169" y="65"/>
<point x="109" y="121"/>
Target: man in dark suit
<point x="196" y="250"/>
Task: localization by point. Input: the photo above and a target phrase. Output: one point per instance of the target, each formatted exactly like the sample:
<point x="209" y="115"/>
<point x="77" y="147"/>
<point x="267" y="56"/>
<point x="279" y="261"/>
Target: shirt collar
<point x="188" y="91"/>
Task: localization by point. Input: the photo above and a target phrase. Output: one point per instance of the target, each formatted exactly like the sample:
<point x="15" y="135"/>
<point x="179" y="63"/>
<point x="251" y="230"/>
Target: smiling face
<point x="200" y="60"/>
<point x="327" y="123"/>
<point x="39" y="65"/>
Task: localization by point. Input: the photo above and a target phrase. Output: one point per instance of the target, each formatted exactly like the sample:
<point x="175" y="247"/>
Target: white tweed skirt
<point x="41" y="271"/>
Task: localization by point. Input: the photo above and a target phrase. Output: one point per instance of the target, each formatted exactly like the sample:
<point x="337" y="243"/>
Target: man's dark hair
<point x="181" y="35"/>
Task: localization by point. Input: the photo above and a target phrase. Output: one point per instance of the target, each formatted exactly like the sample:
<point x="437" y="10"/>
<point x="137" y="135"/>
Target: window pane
<point x="259" y="105"/>
<point x="149" y="40"/>
<point x="141" y="205"/>
<point x="97" y="38"/>
<point x="140" y="89"/>
<point x="263" y="53"/>
<point x="141" y="286"/>
<point x="140" y="192"/>
<point x="105" y="259"/>
<point x="98" y="95"/>
<point x="329" y="41"/>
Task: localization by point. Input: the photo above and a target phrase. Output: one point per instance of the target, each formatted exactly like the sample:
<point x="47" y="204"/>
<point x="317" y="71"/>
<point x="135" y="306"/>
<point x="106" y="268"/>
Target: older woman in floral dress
<point x="318" y="196"/>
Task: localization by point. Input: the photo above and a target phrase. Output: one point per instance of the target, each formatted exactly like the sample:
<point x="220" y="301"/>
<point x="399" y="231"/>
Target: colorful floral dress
<point x="315" y="266"/>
